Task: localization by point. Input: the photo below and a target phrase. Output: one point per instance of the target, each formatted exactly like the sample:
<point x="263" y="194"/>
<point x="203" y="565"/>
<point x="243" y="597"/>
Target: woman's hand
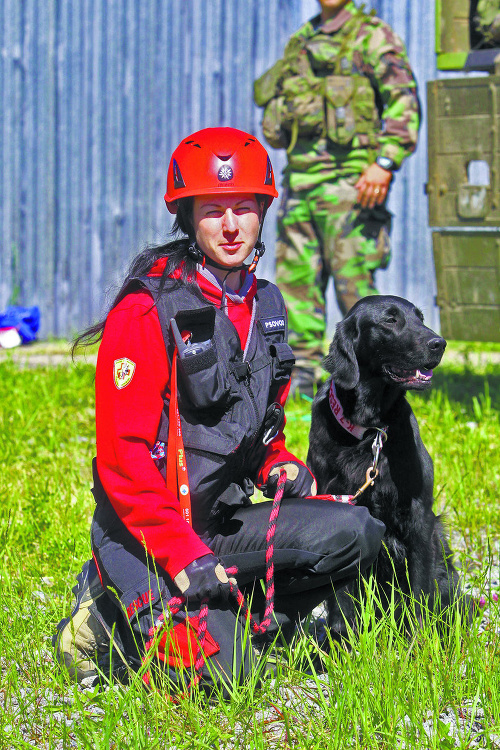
<point x="204" y="578"/>
<point x="299" y="480"/>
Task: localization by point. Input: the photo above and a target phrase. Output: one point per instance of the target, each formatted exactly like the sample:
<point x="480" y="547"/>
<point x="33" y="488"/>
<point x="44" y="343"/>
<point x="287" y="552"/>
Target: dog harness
<point x="358" y="431"/>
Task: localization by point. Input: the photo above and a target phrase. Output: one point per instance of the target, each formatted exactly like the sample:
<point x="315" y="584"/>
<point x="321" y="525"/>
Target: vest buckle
<point x="273" y="422"/>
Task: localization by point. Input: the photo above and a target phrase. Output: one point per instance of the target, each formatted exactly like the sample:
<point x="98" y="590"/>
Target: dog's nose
<point x="436" y="345"/>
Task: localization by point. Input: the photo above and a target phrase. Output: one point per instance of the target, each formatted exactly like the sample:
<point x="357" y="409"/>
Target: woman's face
<point x="226" y="226"/>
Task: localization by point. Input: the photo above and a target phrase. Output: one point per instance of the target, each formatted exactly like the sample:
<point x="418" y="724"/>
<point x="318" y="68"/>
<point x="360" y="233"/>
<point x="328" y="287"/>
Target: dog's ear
<point x="341" y="361"/>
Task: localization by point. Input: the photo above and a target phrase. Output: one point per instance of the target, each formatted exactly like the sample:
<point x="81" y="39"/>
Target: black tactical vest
<point x="223" y="392"/>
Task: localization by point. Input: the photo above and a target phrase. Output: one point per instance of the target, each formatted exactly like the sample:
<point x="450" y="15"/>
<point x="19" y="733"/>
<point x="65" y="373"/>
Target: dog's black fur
<point x="380" y="350"/>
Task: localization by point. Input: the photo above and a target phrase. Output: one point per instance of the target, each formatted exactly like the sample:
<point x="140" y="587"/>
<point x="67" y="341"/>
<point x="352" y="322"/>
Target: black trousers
<point x="318" y="546"/>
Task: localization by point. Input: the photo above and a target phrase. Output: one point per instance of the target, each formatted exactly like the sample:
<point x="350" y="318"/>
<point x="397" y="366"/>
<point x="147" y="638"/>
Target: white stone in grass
<point x="87" y="683"/>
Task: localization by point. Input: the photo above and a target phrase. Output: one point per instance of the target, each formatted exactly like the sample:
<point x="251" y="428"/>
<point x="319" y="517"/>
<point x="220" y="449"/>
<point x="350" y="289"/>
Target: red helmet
<point x="219" y="160"/>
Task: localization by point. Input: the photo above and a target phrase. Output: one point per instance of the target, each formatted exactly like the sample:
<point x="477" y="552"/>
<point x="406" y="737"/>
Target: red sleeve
<point x="131" y="378"/>
<point x="276" y="450"/>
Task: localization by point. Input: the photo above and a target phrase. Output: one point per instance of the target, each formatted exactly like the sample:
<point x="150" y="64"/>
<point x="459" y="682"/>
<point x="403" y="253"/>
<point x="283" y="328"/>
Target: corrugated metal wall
<point x="411" y="273"/>
<point x="95" y="94"/>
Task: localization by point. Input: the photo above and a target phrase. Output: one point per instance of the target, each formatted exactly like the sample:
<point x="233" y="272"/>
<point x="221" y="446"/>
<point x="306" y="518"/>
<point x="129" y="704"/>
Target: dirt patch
<point x="47" y="354"/>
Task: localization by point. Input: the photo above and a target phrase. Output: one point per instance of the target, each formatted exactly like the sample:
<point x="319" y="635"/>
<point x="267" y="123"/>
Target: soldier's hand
<point x="373" y="186"/>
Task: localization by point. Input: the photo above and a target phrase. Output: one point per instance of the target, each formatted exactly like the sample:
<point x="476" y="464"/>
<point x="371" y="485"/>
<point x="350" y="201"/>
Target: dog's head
<point x="385" y="336"/>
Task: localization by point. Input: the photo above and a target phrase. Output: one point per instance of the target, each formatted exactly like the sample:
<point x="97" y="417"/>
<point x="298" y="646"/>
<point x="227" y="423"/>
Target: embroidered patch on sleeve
<point x="123" y="372"/>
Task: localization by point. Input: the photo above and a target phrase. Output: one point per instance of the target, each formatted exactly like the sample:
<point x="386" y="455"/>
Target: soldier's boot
<point x="83" y="639"/>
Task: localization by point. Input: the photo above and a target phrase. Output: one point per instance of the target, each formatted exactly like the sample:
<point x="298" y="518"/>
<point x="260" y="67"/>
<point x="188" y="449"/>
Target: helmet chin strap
<point x="260" y="249"/>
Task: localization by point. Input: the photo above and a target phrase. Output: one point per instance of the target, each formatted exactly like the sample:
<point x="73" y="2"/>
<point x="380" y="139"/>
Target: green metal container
<point x="468" y="281"/>
<point x="452" y="33"/>
<point x="464" y="151"/>
<point x="464" y="181"/>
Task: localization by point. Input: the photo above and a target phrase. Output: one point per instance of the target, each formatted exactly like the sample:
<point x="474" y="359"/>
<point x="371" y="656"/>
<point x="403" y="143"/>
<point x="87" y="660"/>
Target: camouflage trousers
<point x="323" y="232"/>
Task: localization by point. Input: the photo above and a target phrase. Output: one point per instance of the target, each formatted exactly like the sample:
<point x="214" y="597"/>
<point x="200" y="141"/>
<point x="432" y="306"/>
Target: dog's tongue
<point x="424" y="374"/>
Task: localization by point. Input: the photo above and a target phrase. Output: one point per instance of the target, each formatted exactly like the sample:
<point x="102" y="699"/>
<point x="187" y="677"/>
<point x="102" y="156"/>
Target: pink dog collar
<point x="338" y="413"/>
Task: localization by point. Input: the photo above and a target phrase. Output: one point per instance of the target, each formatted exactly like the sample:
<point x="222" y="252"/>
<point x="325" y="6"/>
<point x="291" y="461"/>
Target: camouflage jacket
<point x="342" y="94"/>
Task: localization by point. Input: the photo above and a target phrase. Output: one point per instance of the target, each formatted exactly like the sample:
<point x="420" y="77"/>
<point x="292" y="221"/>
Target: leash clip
<point x="377" y="446"/>
<point x="371" y="475"/>
<point x="372" y="471"/>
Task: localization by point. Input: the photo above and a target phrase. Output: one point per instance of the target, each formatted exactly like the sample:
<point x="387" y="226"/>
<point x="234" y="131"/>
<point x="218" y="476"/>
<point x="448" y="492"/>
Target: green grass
<point x="480" y="347"/>
<point x="392" y="690"/>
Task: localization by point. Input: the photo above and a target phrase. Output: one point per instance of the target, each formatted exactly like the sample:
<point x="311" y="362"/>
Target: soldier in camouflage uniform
<point x="343" y="102"/>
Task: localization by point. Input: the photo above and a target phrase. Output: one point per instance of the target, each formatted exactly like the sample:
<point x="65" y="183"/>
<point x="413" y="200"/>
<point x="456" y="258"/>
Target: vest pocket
<point x="340" y="119"/>
<point x="303" y="105"/>
<point x="350" y="110"/>
<point x="272" y="125"/>
<point x="365" y="112"/>
<point x="204" y="379"/>
<point x="215" y="436"/>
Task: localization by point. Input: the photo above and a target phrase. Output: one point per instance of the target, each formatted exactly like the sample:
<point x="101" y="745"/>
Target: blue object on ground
<point x="25" y="319"/>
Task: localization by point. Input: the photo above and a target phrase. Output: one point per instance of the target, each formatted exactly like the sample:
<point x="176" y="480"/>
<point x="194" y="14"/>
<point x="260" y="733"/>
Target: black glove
<point x="204" y="578"/>
<point x="299" y="481"/>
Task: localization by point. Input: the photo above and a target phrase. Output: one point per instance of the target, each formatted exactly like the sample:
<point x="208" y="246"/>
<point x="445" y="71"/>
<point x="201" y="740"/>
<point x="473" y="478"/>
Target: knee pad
<point x="178" y="644"/>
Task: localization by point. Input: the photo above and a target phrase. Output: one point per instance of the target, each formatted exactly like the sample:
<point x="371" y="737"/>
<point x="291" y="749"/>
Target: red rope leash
<point x="271" y="530"/>
<point x="176" y="602"/>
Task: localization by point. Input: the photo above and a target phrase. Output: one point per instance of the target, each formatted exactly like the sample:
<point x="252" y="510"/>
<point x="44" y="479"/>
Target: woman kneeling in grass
<point x="192" y="376"/>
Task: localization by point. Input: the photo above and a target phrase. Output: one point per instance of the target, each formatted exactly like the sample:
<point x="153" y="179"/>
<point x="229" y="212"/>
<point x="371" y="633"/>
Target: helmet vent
<point x="269" y="173"/>
<point x="250" y="141"/>
<point x="192" y="143"/>
<point x="224" y="157"/>
<point x="178" y="179"/>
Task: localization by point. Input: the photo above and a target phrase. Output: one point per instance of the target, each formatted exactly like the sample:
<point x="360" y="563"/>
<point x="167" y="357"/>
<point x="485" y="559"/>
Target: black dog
<point x="380" y="350"/>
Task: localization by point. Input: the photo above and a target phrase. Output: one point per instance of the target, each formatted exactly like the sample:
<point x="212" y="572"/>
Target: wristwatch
<point x="385" y="163"/>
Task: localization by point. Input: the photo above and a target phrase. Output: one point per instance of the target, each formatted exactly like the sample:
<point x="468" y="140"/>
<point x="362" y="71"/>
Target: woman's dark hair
<point x="178" y="258"/>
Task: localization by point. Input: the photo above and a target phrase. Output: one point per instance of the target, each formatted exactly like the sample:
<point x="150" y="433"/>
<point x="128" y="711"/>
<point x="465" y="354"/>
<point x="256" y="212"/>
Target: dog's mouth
<point x="417" y="378"/>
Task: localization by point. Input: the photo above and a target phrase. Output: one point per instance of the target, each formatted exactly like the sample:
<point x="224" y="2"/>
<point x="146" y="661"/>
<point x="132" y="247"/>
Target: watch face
<point x="385" y="162"/>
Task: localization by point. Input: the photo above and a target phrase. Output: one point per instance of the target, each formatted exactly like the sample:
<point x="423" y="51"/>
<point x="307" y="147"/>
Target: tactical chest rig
<point x="316" y="90"/>
<point x="225" y="395"/>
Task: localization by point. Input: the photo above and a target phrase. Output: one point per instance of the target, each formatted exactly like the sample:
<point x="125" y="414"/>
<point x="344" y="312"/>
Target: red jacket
<point x="128" y="416"/>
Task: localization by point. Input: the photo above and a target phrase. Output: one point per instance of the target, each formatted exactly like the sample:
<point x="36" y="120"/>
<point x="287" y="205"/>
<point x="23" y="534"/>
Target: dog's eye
<point x="391" y="320"/>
